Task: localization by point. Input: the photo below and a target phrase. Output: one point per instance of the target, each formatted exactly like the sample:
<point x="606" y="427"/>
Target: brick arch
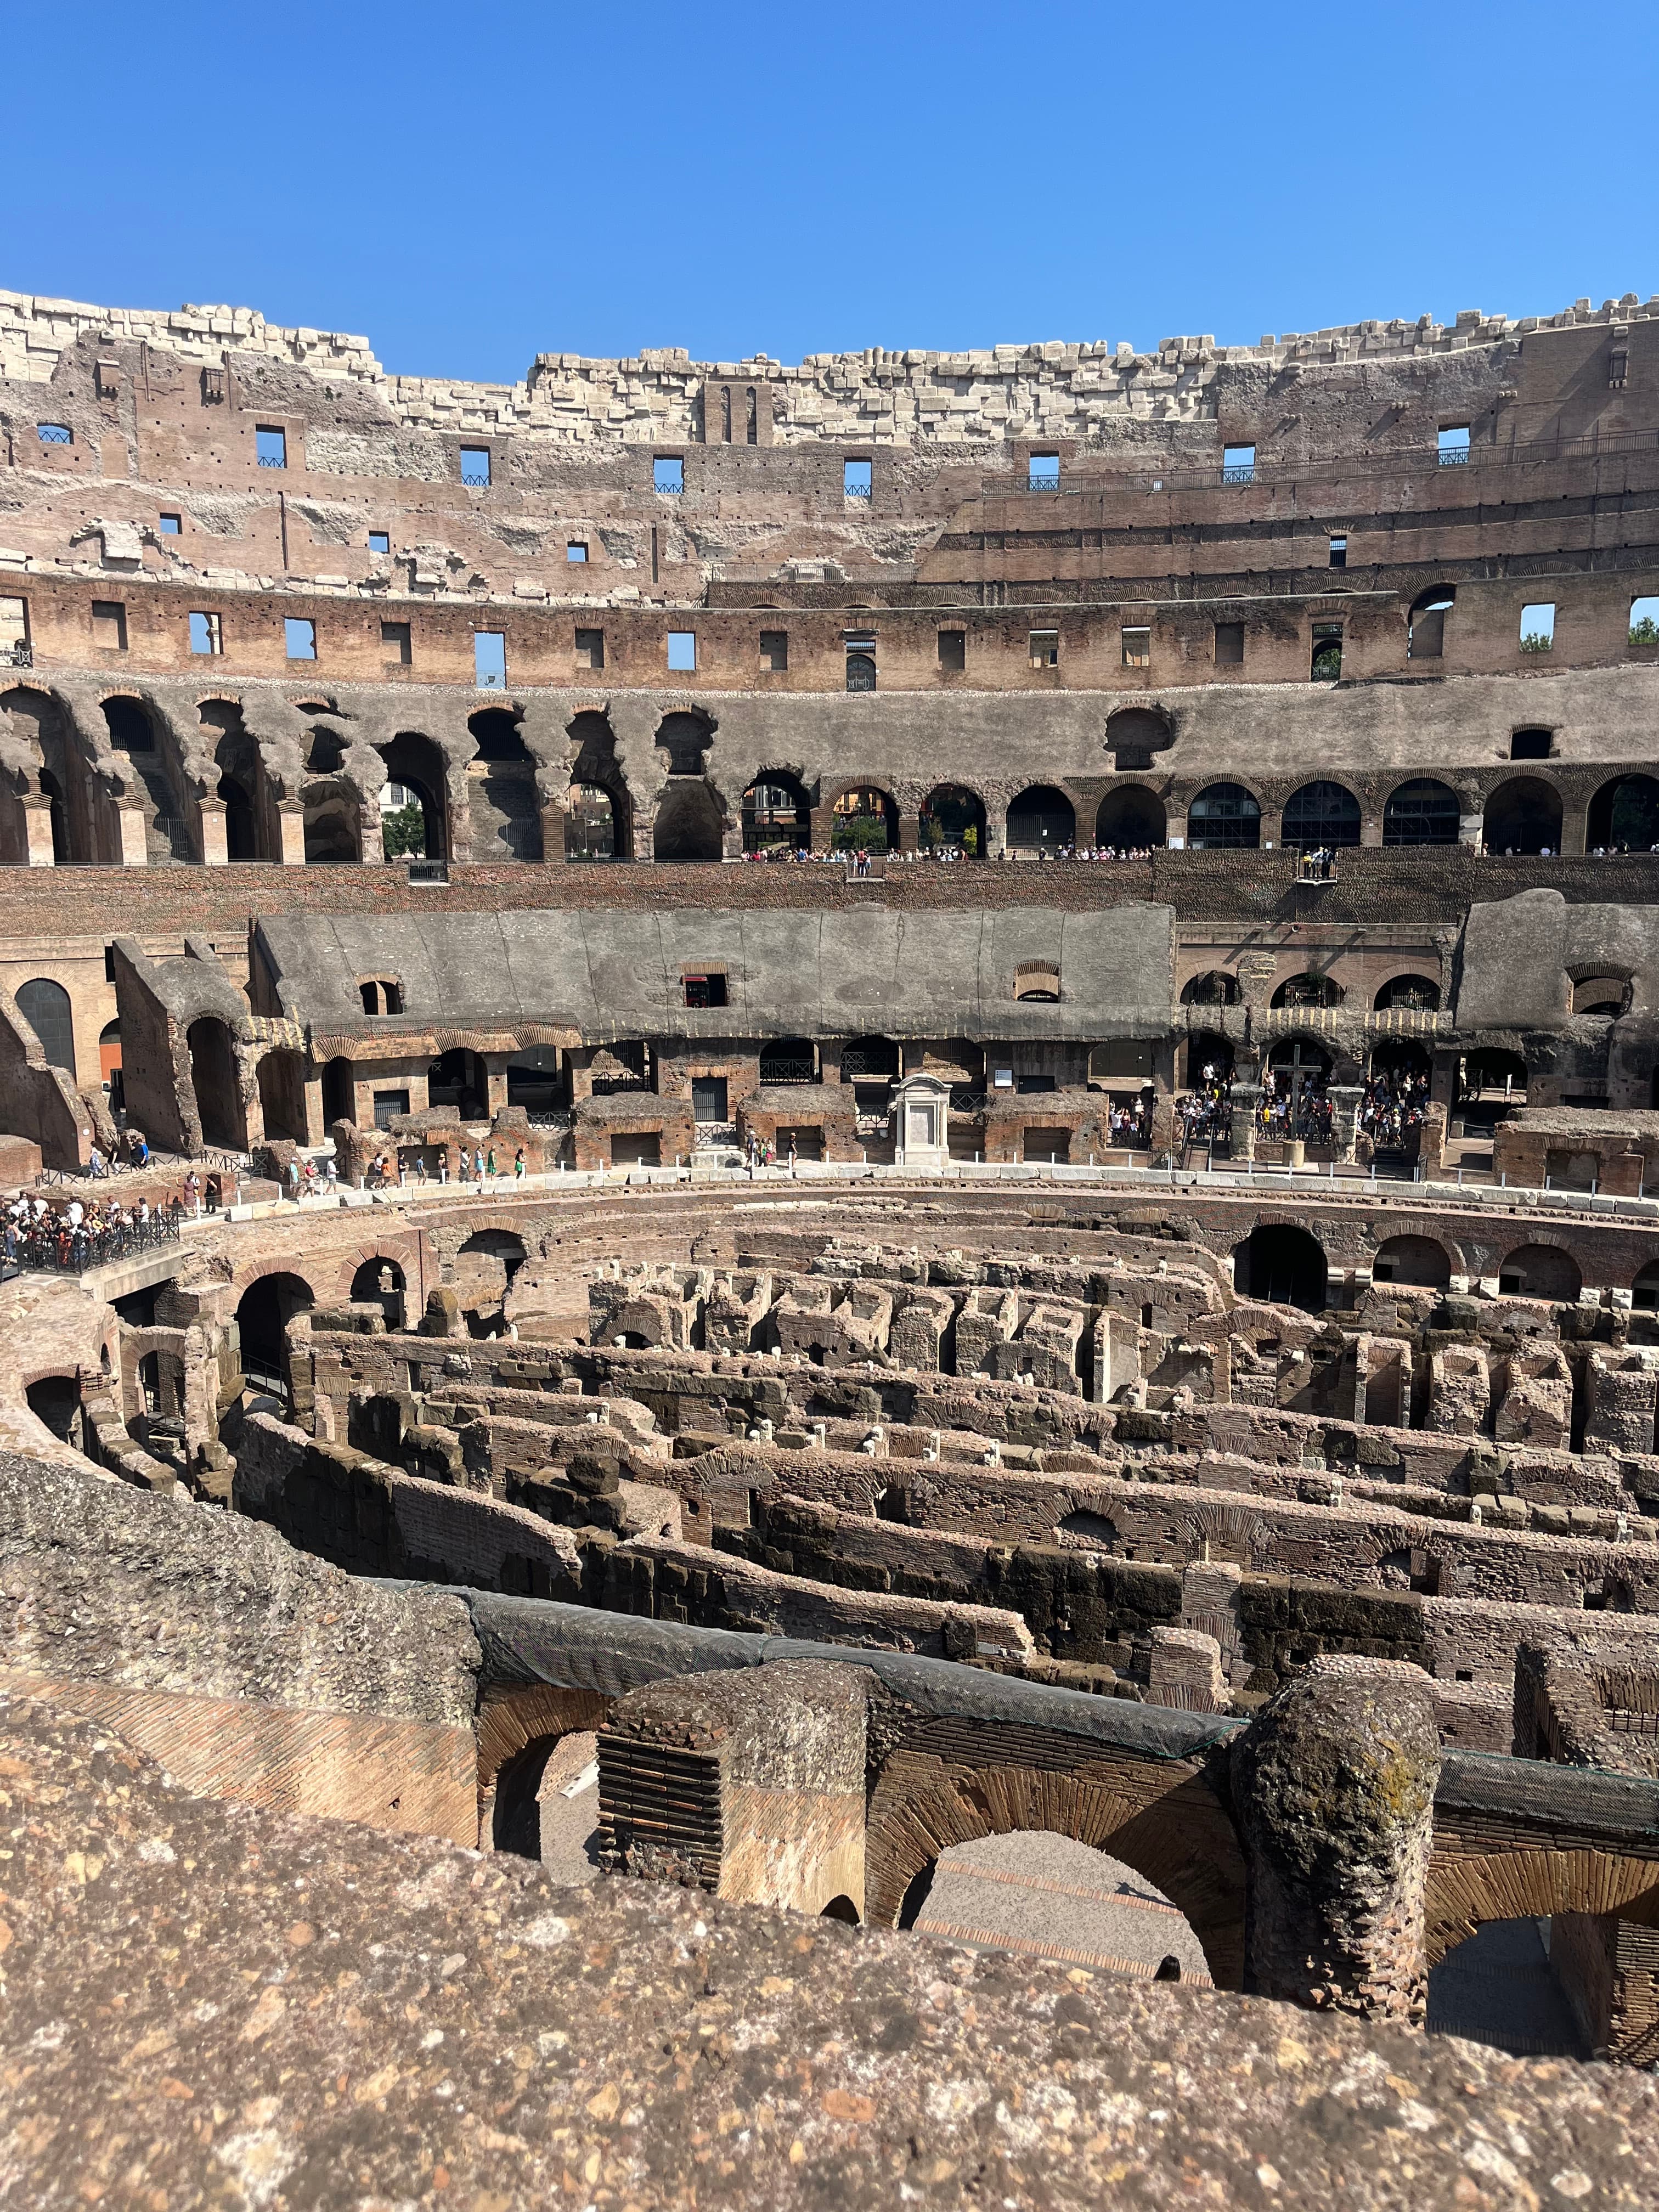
<point x="1465" y="1891"/>
<point x="406" y="1253"/>
<point x="510" y="1722"/>
<point x="251" y="1272"/>
<point x="1163" y="1819"/>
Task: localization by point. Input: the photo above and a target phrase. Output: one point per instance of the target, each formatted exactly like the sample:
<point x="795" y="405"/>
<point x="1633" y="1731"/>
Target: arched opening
<point x="871" y="1065"/>
<point x="546" y="1805"/>
<point x="1425" y="622"/>
<point x="788" y="1060"/>
<point x="381" y="1282"/>
<point x="263" y="1314"/>
<point x="1540" y="1271"/>
<point x="861" y="671"/>
<point x="241" y="778"/>
<point x="339" y="1093"/>
<point x="324" y="750"/>
<point x="952" y="820"/>
<point x="331" y="825"/>
<point x="1491" y="1082"/>
<point x="504" y="807"/>
<point x="1036" y="1894"/>
<point x="776" y="815"/>
<point x="1308" y="990"/>
<point x="590" y="823"/>
<point x="1131" y="819"/>
<point x="1418" y="1263"/>
<point x="486" y="1267"/>
<point x="1284" y="1266"/>
<point x="132" y="732"/>
<point x="1401" y="1060"/>
<point x="241" y="833"/>
<point x="1224" y="817"/>
<point x="685" y="738"/>
<point x="842" y="1909"/>
<point x="109" y="1066"/>
<point x="412" y="810"/>
<point x="1410" y="994"/>
<point x="458" y="1077"/>
<point x="1421" y="812"/>
<point x="1500" y="1987"/>
<point x="1040" y="820"/>
<point x="1210" y="1060"/>
<point x="214" y="1078"/>
<point x="1623" y="816"/>
<point x="45" y="1006"/>
<point x="595" y="772"/>
<point x="533" y="1079"/>
<point x="1644" y="1290"/>
<point x="130" y="729"/>
<point x="56" y="1400"/>
<point x="1133" y="734"/>
<point x="1322" y="815"/>
<point x="1215" y="988"/>
<point x="282" y="1076"/>
<point x="1523" y="816"/>
<point x="864" y="821"/>
<point x="691" y="822"/>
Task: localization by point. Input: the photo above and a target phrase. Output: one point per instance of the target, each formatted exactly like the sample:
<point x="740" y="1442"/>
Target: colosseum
<point x="857" y="1147"/>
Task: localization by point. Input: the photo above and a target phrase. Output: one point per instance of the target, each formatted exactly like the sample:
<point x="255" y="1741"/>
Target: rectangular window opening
<point x="475" y="466"/>
<point x="668" y="473"/>
<point x="576" y="550"/>
<point x="1644" y="620"/>
<point x="1238" y="465"/>
<point x="1326" y="667"/>
<point x="1137" y="647"/>
<point x="389" y="1105"/>
<point x="109" y="625"/>
<point x="1531" y="744"/>
<point x="205" y="634"/>
<point x="705" y="990"/>
<point x="1538" y="626"/>
<point x="589" y="648"/>
<point x="270" y="447"/>
<point x="1229" y="645"/>
<point x="15" y="633"/>
<point x="395" y="642"/>
<point x="380" y="541"/>
<point x="301" y="634"/>
<point x="490" y="659"/>
<point x="169" y="524"/>
<point x="682" y="650"/>
<point x="1045" y="648"/>
<point x="1339" y="552"/>
<point x="775" y="651"/>
<point x="953" y="648"/>
<point x="855" y="479"/>
<point x="54" y="433"/>
<point x="1042" y="472"/>
<point x="1454" y="445"/>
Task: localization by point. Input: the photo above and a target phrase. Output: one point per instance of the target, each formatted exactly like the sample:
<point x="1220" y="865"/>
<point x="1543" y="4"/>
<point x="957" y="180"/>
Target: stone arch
<point x="1410" y="992"/>
<point x="45" y="1006"/>
<point x="1540" y="1269"/>
<point x="1625" y="814"/>
<point x="415" y="764"/>
<point x="777" y="813"/>
<point x="1422" y="811"/>
<point x="281" y="1079"/>
<point x="1165" y="1821"/>
<point x="1523" y="815"/>
<point x="952" y="819"/>
<point x="1308" y="989"/>
<point x="402" y="1254"/>
<point x="1215" y="988"/>
<point x="272" y="1295"/>
<point x="1416" y="1262"/>
<point x="1131" y="815"/>
<point x="691" y="821"/>
<point x="533" y="1719"/>
<point x="1466" y="1889"/>
<point x="215" y="1081"/>
<point x="503" y="806"/>
<point x="1039" y="819"/>
<point x="339" y="1092"/>
<point x="1322" y="813"/>
<point x="137" y="734"/>
<point x="380" y="1278"/>
<point x="37" y="725"/>
<point x="864" y="817"/>
<point x="1282" y="1264"/>
<point x="685" y="734"/>
<point x="1134" y="734"/>
<point x="595" y="831"/>
<point x="1224" y="817"/>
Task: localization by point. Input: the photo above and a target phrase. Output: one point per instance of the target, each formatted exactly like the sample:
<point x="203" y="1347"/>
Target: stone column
<point x="291" y="832"/>
<point x="1247" y="1100"/>
<point x="215" y="850"/>
<point x="1334" y="1790"/>
<point x="134" y="837"/>
<point x="37" y="833"/>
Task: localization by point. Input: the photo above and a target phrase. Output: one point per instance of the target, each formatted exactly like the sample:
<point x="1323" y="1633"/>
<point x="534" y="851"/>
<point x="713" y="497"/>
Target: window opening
<point x="14" y="634"/>
<point x="380" y="541"/>
<point x="1137" y="647"/>
<point x="1538" y="626"/>
<point x="668" y="473"/>
<point x="1644" y="620"/>
<point x="752" y="424"/>
<point x="1042" y="472"/>
<point x="953" y="648"/>
<point x="270" y="447"/>
<point x="1045" y="648"/>
<point x="1238" y="465"/>
<point x="109" y="625"/>
<point x="205" y="634"/>
<point x="860" y="659"/>
<point x="1426" y="625"/>
<point x="54" y="433"/>
<point x="589" y="648"/>
<point x="575" y="550"/>
<point x="775" y="650"/>
<point x="475" y="466"/>
<point x="168" y="525"/>
<point x="1339" y="552"/>
<point x="301" y="634"/>
<point x="395" y="642"/>
<point x="683" y="649"/>
<point x="1229" y="645"/>
<point x="1327" y="664"/>
<point x="490" y="659"/>
<point x="1531" y="744"/>
<point x="1454" y="445"/>
<point x="705" y="991"/>
<point x="855" y="478"/>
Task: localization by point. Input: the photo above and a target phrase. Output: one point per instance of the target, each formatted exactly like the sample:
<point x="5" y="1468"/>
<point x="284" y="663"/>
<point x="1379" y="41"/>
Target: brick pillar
<point x="909" y="833"/>
<point x="1334" y="1790"/>
<point x="134" y="838"/>
<point x="821" y="821"/>
<point x="215" y="849"/>
<point x="291" y="832"/>
<point x="37" y="832"/>
<point x="553" y="833"/>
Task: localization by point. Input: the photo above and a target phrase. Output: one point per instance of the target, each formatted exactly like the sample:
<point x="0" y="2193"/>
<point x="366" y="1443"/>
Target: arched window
<point x="1215" y="988"/>
<point x="1321" y="814"/>
<point x="1523" y="816"/>
<point x="1130" y="817"/>
<point x="788" y="1060"/>
<point x="1426" y="625"/>
<point x="413" y="798"/>
<point x="860" y="671"/>
<point x="45" y="1006"/>
<point x="1224" y="817"/>
<point x="1040" y="820"/>
<point x="1308" y="990"/>
<point x="952" y="821"/>
<point x="865" y="820"/>
<point x="590" y="823"/>
<point x="1411" y="994"/>
<point x="1623" y="816"/>
<point x="1421" y="812"/>
<point x="775" y="815"/>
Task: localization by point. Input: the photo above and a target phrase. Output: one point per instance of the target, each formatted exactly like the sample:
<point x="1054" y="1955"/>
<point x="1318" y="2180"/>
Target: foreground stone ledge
<point x="208" y="2005"/>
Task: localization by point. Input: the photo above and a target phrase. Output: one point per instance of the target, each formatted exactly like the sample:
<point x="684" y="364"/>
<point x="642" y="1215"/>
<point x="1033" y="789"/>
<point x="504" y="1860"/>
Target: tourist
<point x="518" y="1165"/>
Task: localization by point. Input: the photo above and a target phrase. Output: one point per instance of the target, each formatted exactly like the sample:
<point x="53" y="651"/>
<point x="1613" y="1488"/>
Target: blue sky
<point x="471" y="186"/>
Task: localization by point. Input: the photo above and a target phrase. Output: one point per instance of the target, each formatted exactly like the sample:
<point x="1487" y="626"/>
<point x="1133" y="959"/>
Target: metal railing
<point x="52" y="1247"/>
<point x="272" y="461"/>
<point x="787" y="1070"/>
<point x="21" y="655"/>
<point x="1243" y="472"/>
<point x="1453" y="457"/>
<point x="478" y="478"/>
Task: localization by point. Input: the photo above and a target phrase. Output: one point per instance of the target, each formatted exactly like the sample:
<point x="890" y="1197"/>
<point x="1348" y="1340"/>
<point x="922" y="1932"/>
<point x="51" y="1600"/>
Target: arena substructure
<point x="831" y="1256"/>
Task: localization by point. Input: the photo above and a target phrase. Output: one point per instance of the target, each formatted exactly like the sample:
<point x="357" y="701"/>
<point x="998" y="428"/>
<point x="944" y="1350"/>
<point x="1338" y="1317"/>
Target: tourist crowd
<point x="1391" y="1109"/>
<point x="75" y="1236"/>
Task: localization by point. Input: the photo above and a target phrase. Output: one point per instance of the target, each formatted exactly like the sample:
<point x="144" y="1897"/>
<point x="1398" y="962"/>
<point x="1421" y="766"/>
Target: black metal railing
<point x="428" y="871"/>
<point x="478" y="478"/>
<point x="21" y="655"/>
<point x="967" y="1097"/>
<point x="52" y="1246"/>
<point x="787" y="1070"/>
<point x="1454" y="457"/>
<point x="273" y="461"/>
<point x="1243" y="472"/>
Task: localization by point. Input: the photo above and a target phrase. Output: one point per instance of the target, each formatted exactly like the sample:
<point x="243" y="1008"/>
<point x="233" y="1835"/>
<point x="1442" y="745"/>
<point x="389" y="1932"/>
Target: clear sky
<point x="471" y="185"/>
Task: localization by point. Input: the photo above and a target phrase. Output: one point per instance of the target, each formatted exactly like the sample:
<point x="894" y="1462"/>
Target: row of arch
<point x="1282" y="1264"/>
